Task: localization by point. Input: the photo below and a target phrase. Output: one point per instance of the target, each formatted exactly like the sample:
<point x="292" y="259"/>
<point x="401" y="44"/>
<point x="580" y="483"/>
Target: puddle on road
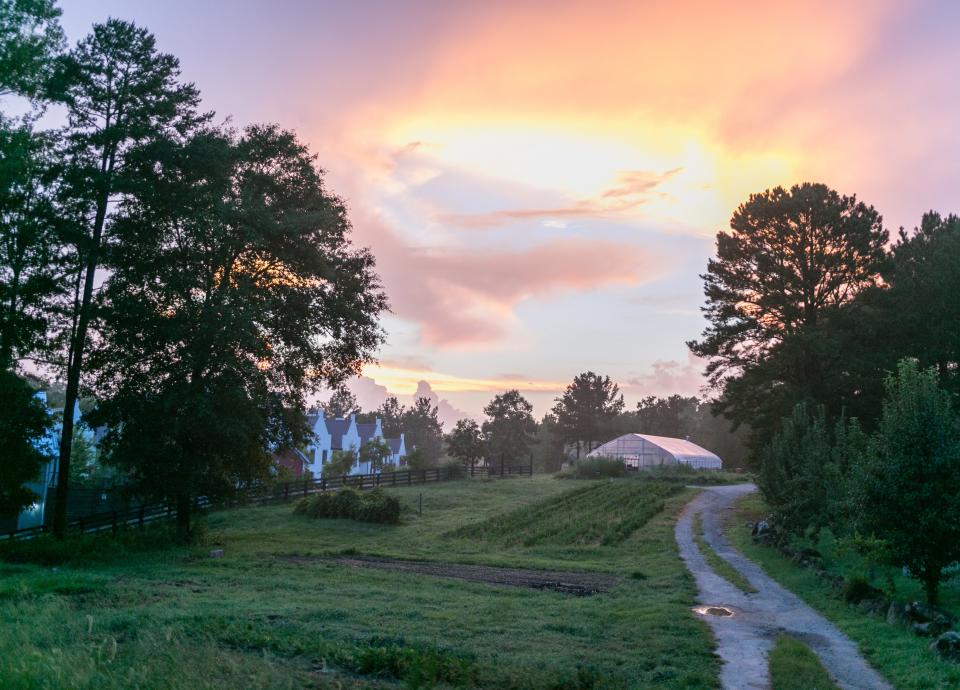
<point x="718" y="611"/>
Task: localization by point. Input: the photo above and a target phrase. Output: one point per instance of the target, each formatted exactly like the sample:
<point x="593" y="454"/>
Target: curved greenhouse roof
<point x="645" y="450"/>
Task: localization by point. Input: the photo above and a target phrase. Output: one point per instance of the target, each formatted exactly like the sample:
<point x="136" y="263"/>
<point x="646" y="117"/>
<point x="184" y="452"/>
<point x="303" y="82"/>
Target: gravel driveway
<point x="745" y="639"/>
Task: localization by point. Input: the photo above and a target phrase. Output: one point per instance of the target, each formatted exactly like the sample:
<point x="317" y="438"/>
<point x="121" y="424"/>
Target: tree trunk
<point x="184" y="505"/>
<point x="74" y="366"/>
<point x="931" y="585"/>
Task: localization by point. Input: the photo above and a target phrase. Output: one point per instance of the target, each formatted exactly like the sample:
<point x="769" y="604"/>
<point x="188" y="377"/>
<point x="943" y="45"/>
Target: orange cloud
<point x="409" y="381"/>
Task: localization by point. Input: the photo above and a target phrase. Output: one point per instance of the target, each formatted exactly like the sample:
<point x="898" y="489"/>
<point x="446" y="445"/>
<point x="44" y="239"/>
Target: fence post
<point x="141" y="515"/>
<point x="114" y="521"/>
<point x="323" y="483"/>
<point x="80" y="522"/>
<point x="501" y="463"/>
<point x="531" y="463"/>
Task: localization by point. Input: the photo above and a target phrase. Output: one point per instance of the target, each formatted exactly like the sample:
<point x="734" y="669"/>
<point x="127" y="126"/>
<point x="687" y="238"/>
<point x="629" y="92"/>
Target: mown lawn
<point x="274" y="613"/>
<point x="894" y="651"/>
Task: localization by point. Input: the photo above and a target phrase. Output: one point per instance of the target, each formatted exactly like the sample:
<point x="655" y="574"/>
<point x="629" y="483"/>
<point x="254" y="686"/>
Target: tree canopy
<point x="424" y="431"/>
<point x="234" y="291"/>
<point x="465" y="442"/>
<point x="791" y="258"/>
<point x="586" y="408"/>
<point x="509" y="427"/>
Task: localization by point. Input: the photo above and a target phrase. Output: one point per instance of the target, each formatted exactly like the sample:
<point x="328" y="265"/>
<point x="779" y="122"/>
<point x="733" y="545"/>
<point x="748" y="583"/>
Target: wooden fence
<point x="112" y="520"/>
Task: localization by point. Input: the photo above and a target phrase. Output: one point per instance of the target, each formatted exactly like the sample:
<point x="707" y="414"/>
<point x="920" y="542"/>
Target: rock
<point x="922" y="629"/>
<point x="216" y="553"/>
<point x="947" y="645"/>
<point x="919" y="612"/>
<point x="760" y="528"/>
<point x="896" y="614"/>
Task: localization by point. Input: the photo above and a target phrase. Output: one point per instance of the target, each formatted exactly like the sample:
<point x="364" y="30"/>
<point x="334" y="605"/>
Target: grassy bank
<point x="893" y="650"/>
<point x="275" y="613"/>
<point x="794" y="667"/>
<point x="717" y="564"/>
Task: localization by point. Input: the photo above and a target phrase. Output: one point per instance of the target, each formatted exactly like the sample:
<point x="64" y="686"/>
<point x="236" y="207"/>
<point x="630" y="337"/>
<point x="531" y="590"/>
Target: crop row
<point x="606" y="513"/>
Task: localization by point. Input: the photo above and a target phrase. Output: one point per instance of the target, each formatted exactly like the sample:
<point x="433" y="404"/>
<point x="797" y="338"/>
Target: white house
<point x="398" y="450"/>
<point x="345" y="434"/>
<point x="33" y="516"/>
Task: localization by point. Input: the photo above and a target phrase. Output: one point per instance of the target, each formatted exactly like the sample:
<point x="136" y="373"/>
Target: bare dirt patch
<point x="579" y="584"/>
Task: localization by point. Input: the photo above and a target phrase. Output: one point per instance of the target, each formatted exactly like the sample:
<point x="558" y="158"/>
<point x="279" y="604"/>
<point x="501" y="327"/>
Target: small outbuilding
<point x="643" y="450"/>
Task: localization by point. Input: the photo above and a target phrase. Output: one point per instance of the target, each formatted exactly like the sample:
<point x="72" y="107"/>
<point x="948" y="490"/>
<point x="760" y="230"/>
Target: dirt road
<point x="745" y="639"/>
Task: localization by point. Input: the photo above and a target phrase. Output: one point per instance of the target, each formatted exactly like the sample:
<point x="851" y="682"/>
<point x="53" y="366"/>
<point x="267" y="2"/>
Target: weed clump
<point x="372" y="506"/>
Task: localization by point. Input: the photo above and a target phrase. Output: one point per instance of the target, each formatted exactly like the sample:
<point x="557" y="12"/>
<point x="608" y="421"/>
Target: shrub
<point x="856" y="588"/>
<point x="596" y="468"/>
<point x="907" y="486"/>
<point x="373" y="506"/>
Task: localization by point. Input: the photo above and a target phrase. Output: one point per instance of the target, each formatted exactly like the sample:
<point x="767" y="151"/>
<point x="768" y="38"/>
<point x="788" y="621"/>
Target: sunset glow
<point x="541" y="182"/>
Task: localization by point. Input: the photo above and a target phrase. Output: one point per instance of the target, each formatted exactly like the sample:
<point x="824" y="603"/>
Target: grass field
<point x="794" y="667"/>
<point x="275" y="613"/>
<point x="893" y="650"/>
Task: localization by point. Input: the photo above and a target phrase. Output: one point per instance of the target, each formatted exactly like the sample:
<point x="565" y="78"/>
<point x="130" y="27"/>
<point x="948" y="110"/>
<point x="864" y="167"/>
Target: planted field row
<point x="606" y="514"/>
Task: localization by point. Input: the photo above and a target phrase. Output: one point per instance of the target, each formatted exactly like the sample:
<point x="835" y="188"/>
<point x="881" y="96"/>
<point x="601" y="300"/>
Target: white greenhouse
<point x="643" y="450"/>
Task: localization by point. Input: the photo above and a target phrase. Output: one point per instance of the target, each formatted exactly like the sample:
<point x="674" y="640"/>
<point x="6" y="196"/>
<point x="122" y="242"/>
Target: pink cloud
<point x="461" y="297"/>
<point x="668" y="377"/>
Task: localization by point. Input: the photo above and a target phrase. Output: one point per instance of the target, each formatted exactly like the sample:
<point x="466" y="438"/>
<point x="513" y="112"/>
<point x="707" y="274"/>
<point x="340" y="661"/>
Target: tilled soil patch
<point x="578" y="584"/>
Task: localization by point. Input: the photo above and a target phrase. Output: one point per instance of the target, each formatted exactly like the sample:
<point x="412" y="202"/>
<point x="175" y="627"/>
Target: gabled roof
<point x="312" y="420"/>
<point x="337" y="428"/>
<point x="366" y="431"/>
<point x="682" y="450"/>
<point x="394" y="444"/>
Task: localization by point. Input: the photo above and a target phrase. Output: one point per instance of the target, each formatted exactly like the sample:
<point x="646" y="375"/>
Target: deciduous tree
<point x="465" y="442"/>
<point x="424" y="431"/>
<point x="25" y="423"/>
<point x="509" y="427"/>
<point x="391" y="414"/>
<point x="376" y="451"/>
<point x="586" y="408"/>
<point x="341" y="404"/>
<point x="235" y="291"/>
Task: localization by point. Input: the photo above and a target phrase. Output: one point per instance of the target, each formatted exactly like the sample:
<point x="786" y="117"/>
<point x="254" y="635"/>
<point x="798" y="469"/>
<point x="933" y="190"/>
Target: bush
<point x="856" y="588"/>
<point x="596" y="468"/>
<point x="373" y="506"/>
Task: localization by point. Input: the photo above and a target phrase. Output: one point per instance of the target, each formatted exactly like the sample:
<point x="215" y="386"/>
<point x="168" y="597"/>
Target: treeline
<point x="589" y="412"/>
<point x="195" y="280"/>
<point x="841" y="352"/>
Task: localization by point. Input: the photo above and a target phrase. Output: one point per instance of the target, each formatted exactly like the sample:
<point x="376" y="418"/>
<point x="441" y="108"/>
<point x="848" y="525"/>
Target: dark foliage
<point x="24" y="424"/>
<point x="371" y="506"/>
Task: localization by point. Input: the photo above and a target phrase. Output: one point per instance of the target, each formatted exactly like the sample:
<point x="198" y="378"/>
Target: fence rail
<point x="138" y="516"/>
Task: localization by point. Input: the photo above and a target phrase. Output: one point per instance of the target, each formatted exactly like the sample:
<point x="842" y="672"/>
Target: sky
<point x="542" y="182"/>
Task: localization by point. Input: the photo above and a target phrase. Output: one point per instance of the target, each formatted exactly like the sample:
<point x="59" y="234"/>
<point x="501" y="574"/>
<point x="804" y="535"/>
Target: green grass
<point x="268" y="615"/>
<point x="894" y="651"/>
<point x="606" y="512"/>
<point x="794" y="667"/>
<point x="717" y="564"/>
